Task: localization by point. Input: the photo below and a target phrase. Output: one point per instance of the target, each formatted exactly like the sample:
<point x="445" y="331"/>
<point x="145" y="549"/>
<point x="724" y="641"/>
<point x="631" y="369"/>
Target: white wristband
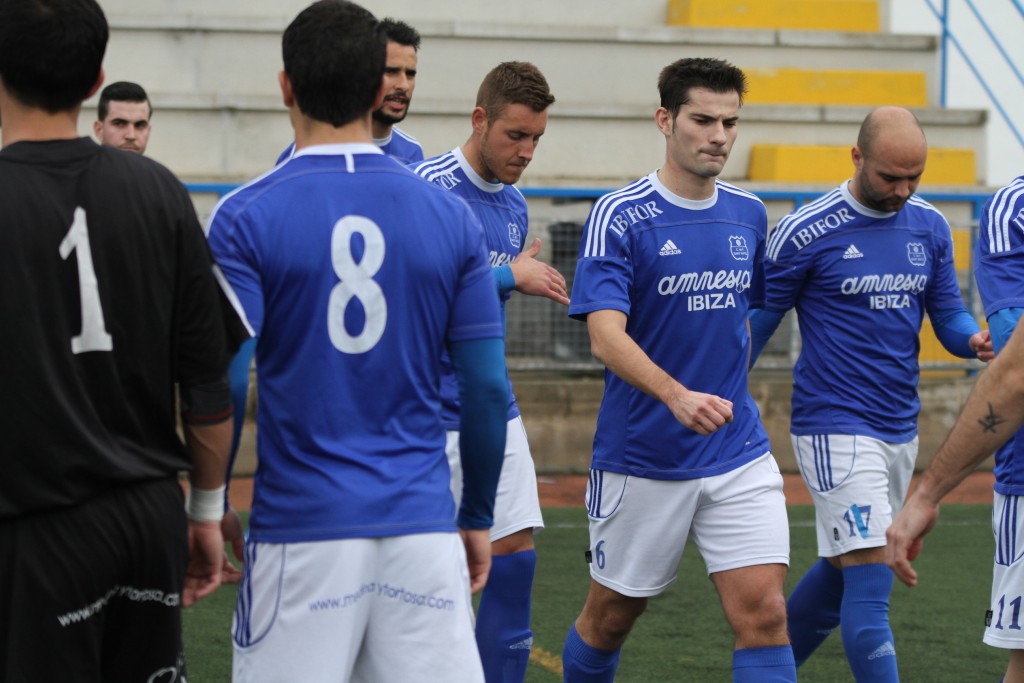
<point x="205" y="505"/>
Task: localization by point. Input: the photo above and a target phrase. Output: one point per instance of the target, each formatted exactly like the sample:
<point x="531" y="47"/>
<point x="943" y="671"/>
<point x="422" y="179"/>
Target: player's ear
<point x="856" y="156"/>
<point x="663" y="119"/>
<point x="287" y="94"/>
<point x="479" y="120"/>
<point x="97" y="129"/>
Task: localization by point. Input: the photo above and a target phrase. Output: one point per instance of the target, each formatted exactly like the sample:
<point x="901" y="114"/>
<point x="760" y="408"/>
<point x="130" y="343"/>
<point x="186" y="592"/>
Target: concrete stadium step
<point x="234" y="138"/>
<point x="585" y="64"/>
<point x="822" y="15"/>
<point x="563" y="12"/>
<point x="213" y="80"/>
<point x="831" y="163"/>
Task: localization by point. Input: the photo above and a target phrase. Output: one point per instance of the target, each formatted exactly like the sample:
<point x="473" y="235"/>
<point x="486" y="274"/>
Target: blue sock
<point x="503" y="633"/>
<point x="813" y="609"/>
<point x="764" y="665"/>
<point x="864" y="618"/>
<point x="584" y="664"/>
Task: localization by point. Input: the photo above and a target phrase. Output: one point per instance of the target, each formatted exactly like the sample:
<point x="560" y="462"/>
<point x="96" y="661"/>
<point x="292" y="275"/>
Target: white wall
<point x="1005" y="154"/>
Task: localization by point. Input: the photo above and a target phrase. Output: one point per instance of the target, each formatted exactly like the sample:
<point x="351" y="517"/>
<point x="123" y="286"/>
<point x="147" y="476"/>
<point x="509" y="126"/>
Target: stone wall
<point x="560" y="414"/>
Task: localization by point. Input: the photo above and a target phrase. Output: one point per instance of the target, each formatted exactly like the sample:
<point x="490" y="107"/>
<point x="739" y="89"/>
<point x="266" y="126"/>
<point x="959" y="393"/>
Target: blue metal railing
<point x="949" y="37"/>
<point x="798" y="197"/>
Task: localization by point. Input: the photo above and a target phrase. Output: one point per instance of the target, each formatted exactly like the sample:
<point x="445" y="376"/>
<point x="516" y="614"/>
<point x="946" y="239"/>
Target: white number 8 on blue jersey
<point x="356" y="282"/>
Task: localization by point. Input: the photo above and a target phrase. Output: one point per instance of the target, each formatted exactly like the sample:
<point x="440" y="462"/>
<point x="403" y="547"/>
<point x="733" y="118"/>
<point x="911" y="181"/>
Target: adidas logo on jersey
<point x="852" y="252"/>
<point x="669" y="249"/>
<point x="885" y="650"/>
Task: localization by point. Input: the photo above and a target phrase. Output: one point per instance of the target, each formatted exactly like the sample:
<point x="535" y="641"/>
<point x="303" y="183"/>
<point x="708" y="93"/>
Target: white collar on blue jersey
<point x="860" y="208"/>
<point x="673" y="198"/>
<point x="473" y="176"/>
<point x="339" y="148"/>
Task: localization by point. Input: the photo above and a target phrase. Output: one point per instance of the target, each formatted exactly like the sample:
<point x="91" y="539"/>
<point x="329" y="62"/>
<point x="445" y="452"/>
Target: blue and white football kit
<point x="861" y="281"/>
<point x="999" y="270"/>
<point x="354" y="274"/>
<point x="398" y="145"/>
<point x="674" y="265"/>
<point x="503" y="618"/>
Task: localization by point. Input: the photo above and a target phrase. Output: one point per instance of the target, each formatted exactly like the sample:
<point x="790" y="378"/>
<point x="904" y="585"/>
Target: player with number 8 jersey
<point x="355" y="275"/>
<point x="359" y="289"/>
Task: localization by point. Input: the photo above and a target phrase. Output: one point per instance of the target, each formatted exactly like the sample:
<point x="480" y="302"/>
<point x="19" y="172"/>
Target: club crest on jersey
<point x="515" y="236"/>
<point x="738" y="247"/>
<point x="915" y="252"/>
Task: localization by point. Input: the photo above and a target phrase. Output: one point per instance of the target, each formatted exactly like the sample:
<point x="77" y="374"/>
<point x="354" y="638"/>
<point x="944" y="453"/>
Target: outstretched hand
<point x="537" y="278"/>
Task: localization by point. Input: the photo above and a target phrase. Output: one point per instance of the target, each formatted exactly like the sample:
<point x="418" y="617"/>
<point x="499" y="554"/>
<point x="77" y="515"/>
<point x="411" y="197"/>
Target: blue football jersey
<point x="685" y="273"/>
<point x="399" y="145"/>
<point x="861" y="281"/>
<point x="502" y="212"/>
<point x="353" y="273"/>
<point x="999" y="270"/>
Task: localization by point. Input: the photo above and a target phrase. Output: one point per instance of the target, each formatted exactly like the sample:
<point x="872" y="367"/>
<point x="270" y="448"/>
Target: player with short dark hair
<point x="984" y="424"/>
<point x="680" y="450"/>
<point x="123" y="117"/>
<point x="400" y="76"/>
<point x="861" y="265"/>
<point x="355" y="276"/>
<point x="403" y="42"/>
<point x="508" y="121"/>
<point x="108" y="300"/>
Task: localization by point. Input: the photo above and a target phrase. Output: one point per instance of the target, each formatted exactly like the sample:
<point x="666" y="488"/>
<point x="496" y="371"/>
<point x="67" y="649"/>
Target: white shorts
<point x="858" y="484"/>
<point x="367" y="609"/>
<point x="517" y="506"/>
<point x="1003" y="626"/>
<point x="639" y="527"/>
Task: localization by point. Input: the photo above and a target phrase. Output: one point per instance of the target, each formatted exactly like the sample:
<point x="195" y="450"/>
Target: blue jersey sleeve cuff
<point x="1001" y="324"/>
<point x="505" y="280"/>
<point x="954" y="328"/>
<point x="762" y="326"/>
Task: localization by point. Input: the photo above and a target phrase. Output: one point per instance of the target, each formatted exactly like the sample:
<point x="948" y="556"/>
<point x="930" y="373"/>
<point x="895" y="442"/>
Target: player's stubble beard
<point x="381" y="116"/>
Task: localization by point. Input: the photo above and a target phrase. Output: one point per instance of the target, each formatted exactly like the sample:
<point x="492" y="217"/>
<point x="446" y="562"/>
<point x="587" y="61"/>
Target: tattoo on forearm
<point x="990" y="421"/>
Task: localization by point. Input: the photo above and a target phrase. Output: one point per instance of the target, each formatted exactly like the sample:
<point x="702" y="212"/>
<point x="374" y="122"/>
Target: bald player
<point x="861" y="265"/>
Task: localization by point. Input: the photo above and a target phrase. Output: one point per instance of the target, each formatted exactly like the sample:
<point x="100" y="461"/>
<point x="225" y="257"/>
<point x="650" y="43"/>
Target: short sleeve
<point x="604" y="269"/>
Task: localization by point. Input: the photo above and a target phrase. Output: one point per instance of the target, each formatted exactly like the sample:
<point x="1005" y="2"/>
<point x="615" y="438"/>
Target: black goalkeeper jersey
<point x="107" y="299"/>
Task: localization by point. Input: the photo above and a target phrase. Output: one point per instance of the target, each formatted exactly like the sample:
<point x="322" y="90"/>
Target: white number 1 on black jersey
<point x="94" y="336"/>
